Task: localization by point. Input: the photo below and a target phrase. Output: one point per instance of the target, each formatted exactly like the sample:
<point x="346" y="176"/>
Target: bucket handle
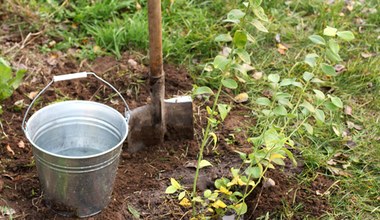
<point x="70" y="77"/>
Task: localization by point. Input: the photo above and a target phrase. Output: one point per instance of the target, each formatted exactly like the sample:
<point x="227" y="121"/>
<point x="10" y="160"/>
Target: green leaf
<point x="263" y="101"/>
<point x="308" y="106"/>
<point x="240" y="39"/>
<point x="311" y="59"/>
<point x="330" y="106"/>
<point x="235" y="172"/>
<point x="317" y="39"/>
<point x="280" y="110"/>
<point x="328" y="70"/>
<point x="223" y="110"/>
<point x="5" y="71"/>
<point x="319" y="94"/>
<point x="134" y="212"/>
<point x="333" y="57"/>
<point x="290" y="155"/>
<point x="170" y="190"/>
<point x="320" y="115"/>
<point x="234" y="16"/>
<point x="307" y="76"/>
<point x="330" y="31"/>
<point x="243" y="156"/>
<point x="286" y="82"/>
<point x="297" y="84"/>
<point x="285" y="102"/>
<point x="203" y="90"/>
<point x="259" y="25"/>
<point x="255" y="3"/>
<point x="308" y="128"/>
<point x="223" y="38"/>
<point x="16" y="81"/>
<point x="181" y="195"/>
<point x="317" y="80"/>
<point x="275" y="78"/>
<point x="221" y="62"/>
<point x="175" y="183"/>
<point x="346" y="35"/>
<point x="334" y="46"/>
<point x="244" y="55"/>
<point x="255" y="172"/>
<point x="336" y="101"/>
<point x="278" y="161"/>
<point x="241" y="208"/>
<point x="229" y="83"/>
<point x="207" y="193"/>
<point x="260" y="13"/>
<point x="204" y="163"/>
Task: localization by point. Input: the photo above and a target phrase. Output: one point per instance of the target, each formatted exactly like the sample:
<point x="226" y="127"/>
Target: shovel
<point x="170" y="119"/>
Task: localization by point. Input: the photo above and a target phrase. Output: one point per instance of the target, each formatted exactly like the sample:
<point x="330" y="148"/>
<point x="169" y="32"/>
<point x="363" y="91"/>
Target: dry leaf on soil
<point x="9" y="149"/>
<point x="348" y="110"/>
<point x="21" y="144"/>
<point x="257" y="75"/>
<point x="281" y="48"/>
<point x="32" y="95"/>
<point x="242" y="97"/>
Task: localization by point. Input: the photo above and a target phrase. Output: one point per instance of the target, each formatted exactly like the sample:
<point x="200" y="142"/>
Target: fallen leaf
<point x="339" y="172"/>
<point x="97" y="49"/>
<point x="132" y="63"/>
<point x="331" y="162"/>
<point x="339" y="68"/>
<point x="281" y="48"/>
<point x="345" y="166"/>
<point x="191" y="164"/>
<point x="225" y="51"/>
<point x="241" y="98"/>
<point x="278" y="38"/>
<point x="257" y="75"/>
<point x="267" y="93"/>
<point x="185" y="202"/>
<point x="138" y="6"/>
<point x="9" y="149"/>
<point x="319" y="193"/>
<point x="269" y="183"/>
<point x="32" y="95"/>
<point x="351" y="144"/>
<point x="367" y="55"/>
<point x="52" y="60"/>
<point x="21" y="144"/>
<point x="348" y="110"/>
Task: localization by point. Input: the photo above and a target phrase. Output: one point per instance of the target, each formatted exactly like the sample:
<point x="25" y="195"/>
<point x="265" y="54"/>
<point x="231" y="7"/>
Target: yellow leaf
<point x="219" y="204"/>
<point x="274" y="156"/>
<point x="224" y="190"/>
<point x="185" y="203"/>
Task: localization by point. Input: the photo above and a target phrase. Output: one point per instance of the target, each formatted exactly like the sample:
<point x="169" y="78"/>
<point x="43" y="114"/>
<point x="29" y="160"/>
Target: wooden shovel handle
<point x="155" y="38"/>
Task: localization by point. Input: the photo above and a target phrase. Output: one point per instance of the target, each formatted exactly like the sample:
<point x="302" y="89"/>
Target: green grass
<point x="189" y="29"/>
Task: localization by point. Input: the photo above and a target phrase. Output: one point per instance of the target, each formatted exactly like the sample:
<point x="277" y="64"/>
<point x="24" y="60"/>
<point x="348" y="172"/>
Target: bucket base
<point x="67" y="211"/>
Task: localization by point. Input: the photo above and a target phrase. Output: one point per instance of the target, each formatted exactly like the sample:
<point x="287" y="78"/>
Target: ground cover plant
<point x="286" y="97"/>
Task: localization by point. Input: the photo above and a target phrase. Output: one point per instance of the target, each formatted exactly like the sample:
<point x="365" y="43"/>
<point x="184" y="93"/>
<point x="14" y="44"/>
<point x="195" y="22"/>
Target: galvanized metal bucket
<point x="76" y="147"/>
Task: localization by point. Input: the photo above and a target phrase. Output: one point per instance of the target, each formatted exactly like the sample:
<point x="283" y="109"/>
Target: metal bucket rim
<point x="46" y="108"/>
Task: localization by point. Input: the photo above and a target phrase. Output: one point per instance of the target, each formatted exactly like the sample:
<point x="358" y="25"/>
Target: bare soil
<point x="143" y="176"/>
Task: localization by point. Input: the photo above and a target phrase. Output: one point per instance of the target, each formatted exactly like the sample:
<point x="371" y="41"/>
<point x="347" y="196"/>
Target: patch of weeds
<point x="9" y="80"/>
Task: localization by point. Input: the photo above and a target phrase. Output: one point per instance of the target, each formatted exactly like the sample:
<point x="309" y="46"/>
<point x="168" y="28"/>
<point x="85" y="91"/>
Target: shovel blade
<point x="178" y="114"/>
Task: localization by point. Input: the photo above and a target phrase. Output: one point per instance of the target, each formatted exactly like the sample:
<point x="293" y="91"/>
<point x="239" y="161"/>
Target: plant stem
<point x="203" y="144"/>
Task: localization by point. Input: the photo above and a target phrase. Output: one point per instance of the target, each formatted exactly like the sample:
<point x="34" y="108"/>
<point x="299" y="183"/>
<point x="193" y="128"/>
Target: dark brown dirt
<point x="142" y="177"/>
